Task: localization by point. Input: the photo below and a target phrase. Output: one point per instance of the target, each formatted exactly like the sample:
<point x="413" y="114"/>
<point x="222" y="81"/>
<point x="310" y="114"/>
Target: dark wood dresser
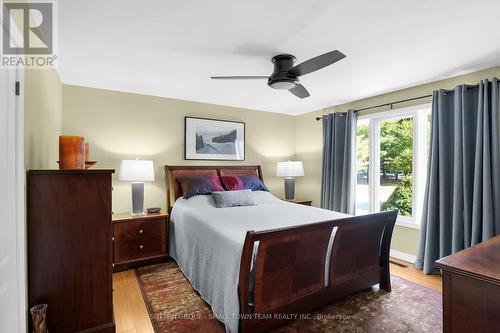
<point x="139" y="239"/>
<point x="70" y="248"/>
<point x="471" y="288"/>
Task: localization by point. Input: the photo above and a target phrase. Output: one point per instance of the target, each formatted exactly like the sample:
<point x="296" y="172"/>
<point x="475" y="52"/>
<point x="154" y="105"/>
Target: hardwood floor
<point x="131" y="315"/>
<point x="414" y="275"/>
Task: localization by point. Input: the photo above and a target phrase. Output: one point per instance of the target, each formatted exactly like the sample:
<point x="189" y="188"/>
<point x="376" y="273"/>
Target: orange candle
<point x="71" y="152"/>
<point x="87" y="152"/>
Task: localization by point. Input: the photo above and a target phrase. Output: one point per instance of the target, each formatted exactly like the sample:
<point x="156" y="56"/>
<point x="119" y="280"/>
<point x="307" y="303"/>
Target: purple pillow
<point x="198" y="185"/>
<point x="252" y="182"/>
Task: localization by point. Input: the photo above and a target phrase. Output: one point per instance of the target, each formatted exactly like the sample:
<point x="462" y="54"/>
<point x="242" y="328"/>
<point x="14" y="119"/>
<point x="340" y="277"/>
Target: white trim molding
<point x="406" y="224"/>
<point x="418" y="114"/>
<point x="13" y="300"/>
<point x="403" y="256"/>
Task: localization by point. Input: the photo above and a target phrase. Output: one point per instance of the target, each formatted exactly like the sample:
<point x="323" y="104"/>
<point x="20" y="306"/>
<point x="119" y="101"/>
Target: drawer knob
<point x="141" y="247"/>
<point x="141" y="232"/>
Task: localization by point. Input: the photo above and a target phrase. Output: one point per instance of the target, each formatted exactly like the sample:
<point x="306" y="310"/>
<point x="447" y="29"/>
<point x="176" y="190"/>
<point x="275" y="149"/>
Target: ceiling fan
<point x="286" y="75"/>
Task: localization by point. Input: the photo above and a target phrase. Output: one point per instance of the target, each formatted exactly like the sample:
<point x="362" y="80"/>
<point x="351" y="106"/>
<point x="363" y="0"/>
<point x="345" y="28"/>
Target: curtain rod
<point x="388" y="104"/>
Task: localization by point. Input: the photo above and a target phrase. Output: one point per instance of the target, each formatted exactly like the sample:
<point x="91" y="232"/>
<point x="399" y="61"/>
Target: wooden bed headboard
<point x="172" y="172"/>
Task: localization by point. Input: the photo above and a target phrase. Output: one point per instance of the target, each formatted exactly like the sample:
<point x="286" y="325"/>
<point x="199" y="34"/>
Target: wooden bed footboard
<point x="302" y="268"/>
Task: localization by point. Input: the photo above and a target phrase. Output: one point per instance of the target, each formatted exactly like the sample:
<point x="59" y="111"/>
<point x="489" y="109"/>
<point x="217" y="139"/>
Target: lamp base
<point x="137" y="198"/>
<point x="289" y="188"/>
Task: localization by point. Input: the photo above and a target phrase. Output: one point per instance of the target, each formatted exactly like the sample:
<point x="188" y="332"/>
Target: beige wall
<point x="125" y="126"/>
<point x="309" y="142"/>
<point x="42" y="118"/>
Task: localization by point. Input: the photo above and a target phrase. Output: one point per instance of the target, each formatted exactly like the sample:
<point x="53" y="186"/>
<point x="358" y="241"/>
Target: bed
<point x="259" y="266"/>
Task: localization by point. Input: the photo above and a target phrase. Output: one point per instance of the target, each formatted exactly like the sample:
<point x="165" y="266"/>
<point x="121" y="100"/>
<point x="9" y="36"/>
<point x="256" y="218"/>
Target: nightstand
<point x="139" y="239"/>
<point x="301" y="202"/>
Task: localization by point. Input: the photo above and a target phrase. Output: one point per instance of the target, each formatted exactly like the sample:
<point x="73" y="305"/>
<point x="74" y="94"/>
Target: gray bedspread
<point x="207" y="243"/>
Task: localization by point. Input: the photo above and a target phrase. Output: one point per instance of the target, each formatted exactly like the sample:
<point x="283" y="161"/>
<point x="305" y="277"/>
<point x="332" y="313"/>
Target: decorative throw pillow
<point x="252" y="182"/>
<point x="233" y="198"/>
<point x="199" y="184"/>
<point x="232" y="183"/>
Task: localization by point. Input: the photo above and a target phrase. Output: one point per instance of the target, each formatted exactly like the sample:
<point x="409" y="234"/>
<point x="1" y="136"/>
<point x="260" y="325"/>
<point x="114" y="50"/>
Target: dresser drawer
<point x="139" y="239"/>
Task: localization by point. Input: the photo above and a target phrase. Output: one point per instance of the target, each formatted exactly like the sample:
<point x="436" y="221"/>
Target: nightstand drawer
<point x="140" y="239"/>
<point x="139" y="248"/>
<point x="138" y="229"/>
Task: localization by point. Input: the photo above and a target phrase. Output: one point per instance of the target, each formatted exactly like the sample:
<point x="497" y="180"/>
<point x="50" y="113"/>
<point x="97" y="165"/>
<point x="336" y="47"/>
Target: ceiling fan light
<point x="283" y="84"/>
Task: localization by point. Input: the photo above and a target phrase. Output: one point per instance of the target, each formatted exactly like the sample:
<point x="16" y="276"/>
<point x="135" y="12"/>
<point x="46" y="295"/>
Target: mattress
<point x="206" y="242"/>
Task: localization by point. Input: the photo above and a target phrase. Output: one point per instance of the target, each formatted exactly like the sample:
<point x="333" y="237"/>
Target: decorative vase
<point x="71" y="152"/>
<point x="38" y="315"/>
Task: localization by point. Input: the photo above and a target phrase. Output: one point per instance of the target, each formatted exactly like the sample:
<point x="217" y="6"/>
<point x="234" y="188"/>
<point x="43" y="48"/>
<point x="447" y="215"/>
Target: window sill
<point x="400" y="222"/>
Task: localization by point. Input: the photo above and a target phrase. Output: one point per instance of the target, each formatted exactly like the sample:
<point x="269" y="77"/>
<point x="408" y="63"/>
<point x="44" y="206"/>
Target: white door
<point x="12" y="226"/>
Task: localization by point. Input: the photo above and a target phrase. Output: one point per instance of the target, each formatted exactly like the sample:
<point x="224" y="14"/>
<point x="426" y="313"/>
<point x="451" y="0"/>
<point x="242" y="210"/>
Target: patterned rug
<point x="174" y="306"/>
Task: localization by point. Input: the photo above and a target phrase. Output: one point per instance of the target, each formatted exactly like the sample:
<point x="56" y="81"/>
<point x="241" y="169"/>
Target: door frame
<point x="12" y="109"/>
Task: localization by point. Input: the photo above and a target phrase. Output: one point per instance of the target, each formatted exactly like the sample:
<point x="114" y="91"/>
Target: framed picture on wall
<point x="212" y="139"/>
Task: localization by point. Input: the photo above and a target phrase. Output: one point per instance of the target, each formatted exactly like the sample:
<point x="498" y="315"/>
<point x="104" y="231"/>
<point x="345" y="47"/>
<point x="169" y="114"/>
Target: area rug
<point x="174" y="306"/>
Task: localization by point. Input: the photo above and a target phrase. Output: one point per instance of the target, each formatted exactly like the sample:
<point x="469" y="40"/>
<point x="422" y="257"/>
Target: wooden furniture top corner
<point x="69" y="172"/>
<point x="124" y="217"/>
<point x="300" y="201"/>
<point x="481" y="261"/>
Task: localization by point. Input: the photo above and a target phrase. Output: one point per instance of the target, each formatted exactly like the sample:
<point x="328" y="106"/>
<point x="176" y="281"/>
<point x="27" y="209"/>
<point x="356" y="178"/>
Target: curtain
<point x="462" y="196"/>
<point x="339" y="151"/>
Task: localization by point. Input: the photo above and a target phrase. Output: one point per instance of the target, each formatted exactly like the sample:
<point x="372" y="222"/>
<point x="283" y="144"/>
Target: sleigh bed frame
<point x="298" y="269"/>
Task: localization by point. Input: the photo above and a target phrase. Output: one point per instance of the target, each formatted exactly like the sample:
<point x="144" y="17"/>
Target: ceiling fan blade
<point x="316" y="63"/>
<point x="299" y="91"/>
<point x="250" y="77"/>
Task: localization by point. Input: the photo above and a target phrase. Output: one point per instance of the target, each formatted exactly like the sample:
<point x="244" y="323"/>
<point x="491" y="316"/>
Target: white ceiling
<point x="171" y="48"/>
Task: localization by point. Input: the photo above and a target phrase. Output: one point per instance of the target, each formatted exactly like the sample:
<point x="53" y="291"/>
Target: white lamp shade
<point x="290" y="169"/>
<point x="137" y="171"/>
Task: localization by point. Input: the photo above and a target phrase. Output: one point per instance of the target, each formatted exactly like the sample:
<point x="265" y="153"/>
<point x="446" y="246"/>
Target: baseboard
<point x="403" y="256"/>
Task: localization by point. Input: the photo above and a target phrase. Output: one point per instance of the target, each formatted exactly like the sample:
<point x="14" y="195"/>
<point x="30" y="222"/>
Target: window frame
<point x="419" y="115"/>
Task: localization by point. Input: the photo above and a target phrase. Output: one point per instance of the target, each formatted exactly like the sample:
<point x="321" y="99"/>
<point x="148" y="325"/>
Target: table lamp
<point x="137" y="171"/>
<point x="290" y="170"/>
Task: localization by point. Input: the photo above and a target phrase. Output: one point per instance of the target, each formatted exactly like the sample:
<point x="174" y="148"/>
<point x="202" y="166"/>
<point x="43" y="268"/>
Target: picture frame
<point x="213" y="139"/>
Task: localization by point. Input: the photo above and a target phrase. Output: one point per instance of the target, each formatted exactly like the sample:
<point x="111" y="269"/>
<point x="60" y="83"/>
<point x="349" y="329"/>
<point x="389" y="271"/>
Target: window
<point x="391" y="166"/>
